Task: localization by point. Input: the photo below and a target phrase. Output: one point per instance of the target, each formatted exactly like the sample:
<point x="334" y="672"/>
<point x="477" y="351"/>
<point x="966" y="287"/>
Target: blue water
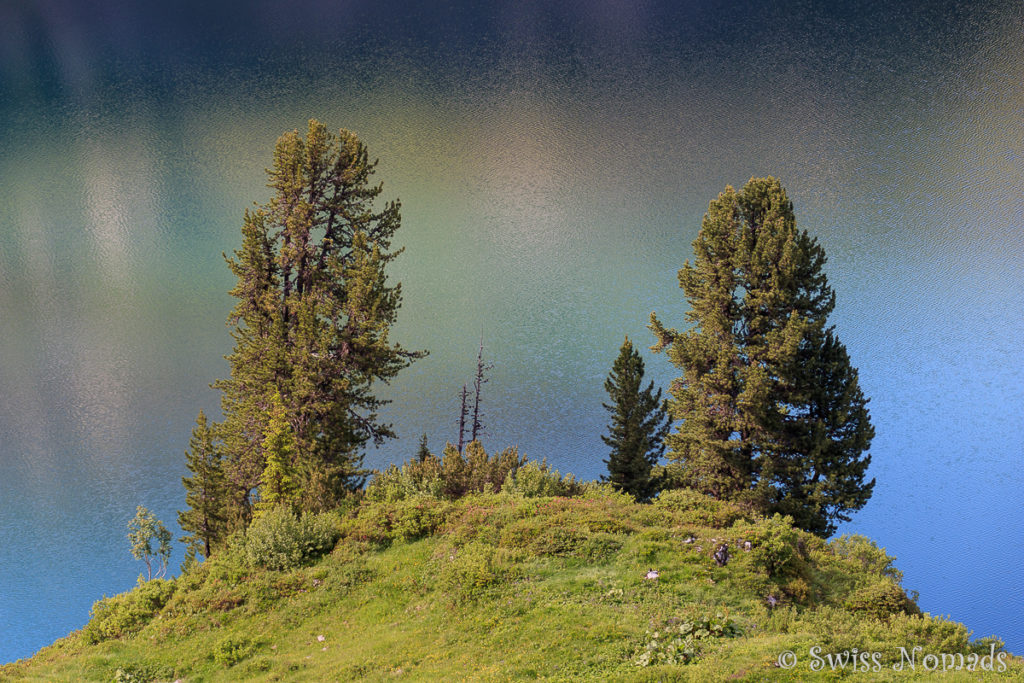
<point x="553" y="165"/>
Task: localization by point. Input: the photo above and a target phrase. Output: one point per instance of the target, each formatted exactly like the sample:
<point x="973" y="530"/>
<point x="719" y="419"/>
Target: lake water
<point x="553" y="166"/>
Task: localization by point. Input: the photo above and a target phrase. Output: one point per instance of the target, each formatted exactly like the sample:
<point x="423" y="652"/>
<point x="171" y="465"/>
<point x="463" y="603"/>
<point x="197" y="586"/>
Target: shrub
<point x="537" y="480"/>
<point x="476" y="472"/>
<point x="774" y="545"/>
<point x="881" y="600"/>
<point x="418" y="517"/>
<point x="865" y="552"/>
<point x="279" y="540"/>
<point x="127" y="613"/>
<point x="414" y="478"/>
<point x="142" y="673"/>
<point x="599" y="547"/>
<point x="696" y="508"/>
<point x="680" y="641"/>
<point x="230" y="651"/>
<point x="559" y="541"/>
<point x="472" y="569"/>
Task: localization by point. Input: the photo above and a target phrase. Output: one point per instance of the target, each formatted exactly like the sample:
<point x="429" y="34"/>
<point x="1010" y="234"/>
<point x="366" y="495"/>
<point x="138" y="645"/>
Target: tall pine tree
<point x="312" y="321"/>
<point x="638" y="425"/>
<point x="205" y="519"/>
<point x="770" y="408"/>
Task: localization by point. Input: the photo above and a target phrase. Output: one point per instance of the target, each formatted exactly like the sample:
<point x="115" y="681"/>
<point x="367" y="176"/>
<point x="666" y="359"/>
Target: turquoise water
<point x="553" y="166"/>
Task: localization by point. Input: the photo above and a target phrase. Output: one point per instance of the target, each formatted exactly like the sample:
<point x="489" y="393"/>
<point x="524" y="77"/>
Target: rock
<point x="747" y="546"/>
<point x="722" y="555"/>
<point x="652" y="574"/>
<point x="772" y="601"/>
<point x="321" y="638"/>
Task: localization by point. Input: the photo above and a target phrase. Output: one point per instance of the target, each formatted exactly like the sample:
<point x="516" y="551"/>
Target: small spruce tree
<point x="638" y="426"/>
<point x="278" y="484"/>
<point x="205" y="492"/>
<point x="423" y="452"/>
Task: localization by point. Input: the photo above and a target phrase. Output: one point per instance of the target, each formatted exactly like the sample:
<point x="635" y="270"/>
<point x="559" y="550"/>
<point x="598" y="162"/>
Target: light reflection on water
<point x="552" y="183"/>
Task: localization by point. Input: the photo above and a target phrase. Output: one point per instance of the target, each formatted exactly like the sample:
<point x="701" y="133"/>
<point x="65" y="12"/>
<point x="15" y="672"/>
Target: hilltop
<point x="519" y="586"/>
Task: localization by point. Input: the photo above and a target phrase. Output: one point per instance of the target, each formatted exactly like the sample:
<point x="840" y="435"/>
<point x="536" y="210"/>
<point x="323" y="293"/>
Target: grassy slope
<point x="500" y="588"/>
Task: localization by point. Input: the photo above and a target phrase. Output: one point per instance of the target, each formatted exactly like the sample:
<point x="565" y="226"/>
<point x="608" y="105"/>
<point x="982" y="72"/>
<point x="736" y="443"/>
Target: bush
<point x="881" y="600"/>
<point x="476" y="471"/>
<point x="418" y="517"/>
<point x="414" y="478"/>
<point x="279" y="540"/>
<point x="142" y="673"/>
<point x="470" y="570"/>
<point x="698" y="509"/>
<point x="230" y="651"/>
<point x="537" y="480"/>
<point x="774" y="545"/>
<point x="680" y="641"/>
<point x="867" y="554"/>
<point x="127" y="613"/>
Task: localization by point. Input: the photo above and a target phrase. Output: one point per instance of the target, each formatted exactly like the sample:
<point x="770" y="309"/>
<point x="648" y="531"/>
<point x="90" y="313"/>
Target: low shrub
<point x="681" y="641"/>
<point x="774" y="545"/>
<point x="414" y="478"/>
<point x="230" y="651"/>
<point x="599" y="547"/>
<point x="867" y="554"/>
<point x="696" y="508"/>
<point x="280" y="540"/>
<point x="537" y="480"/>
<point x="143" y="673"/>
<point x="881" y="600"/>
<point x="127" y="613"/>
<point x="467" y="572"/>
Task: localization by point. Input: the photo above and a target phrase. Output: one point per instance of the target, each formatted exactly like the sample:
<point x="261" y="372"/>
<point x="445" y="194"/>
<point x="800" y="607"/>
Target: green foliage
<point x="230" y="651"/>
<point x="881" y="600"/>
<point x="278" y="485"/>
<point x="143" y="673"/>
<point x="511" y="587"/>
<point x="311" y="325"/>
<point x="770" y="410"/>
<point x="866" y="553"/>
<point x="681" y="641"/>
<point x="697" y="508"/>
<point x="150" y="541"/>
<point x="639" y="424"/>
<point x="124" y="614"/>
<point x="279" y="540"/>
<point x="416" y="477"/>
<point x="475" y="471"/>
<point x="536" y="480"/>
<point x="469" y="571"/>
<point x="774" y="545"/>
<point x="205" y="492"/>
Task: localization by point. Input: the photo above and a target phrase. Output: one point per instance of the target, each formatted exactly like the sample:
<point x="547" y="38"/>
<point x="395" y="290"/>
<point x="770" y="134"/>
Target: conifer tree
<point x="638" y="427"/>
<point x="312" y="321"/>
<point x="771" y="412"/>
<point x="204" y="492"/>
<point x="423" y="451"/>
<point x="278" y="485"/>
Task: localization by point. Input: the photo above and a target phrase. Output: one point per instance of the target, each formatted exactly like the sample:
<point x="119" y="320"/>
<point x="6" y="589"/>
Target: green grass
<point x="494" y="587"/>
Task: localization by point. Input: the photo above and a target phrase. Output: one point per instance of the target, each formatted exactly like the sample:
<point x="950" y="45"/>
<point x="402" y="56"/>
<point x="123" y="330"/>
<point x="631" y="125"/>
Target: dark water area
<point x="553" y="164"/>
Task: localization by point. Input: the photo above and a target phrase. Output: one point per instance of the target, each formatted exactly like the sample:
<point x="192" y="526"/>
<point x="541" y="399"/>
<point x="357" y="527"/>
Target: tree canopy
<point x="770" y="410"/>
<point x="637" y="428"/>
<point x="311" y="326"/>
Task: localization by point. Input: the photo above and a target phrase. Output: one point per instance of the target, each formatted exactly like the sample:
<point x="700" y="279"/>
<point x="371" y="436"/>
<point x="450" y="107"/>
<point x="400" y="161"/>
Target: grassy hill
<point x="516" y="587"/>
